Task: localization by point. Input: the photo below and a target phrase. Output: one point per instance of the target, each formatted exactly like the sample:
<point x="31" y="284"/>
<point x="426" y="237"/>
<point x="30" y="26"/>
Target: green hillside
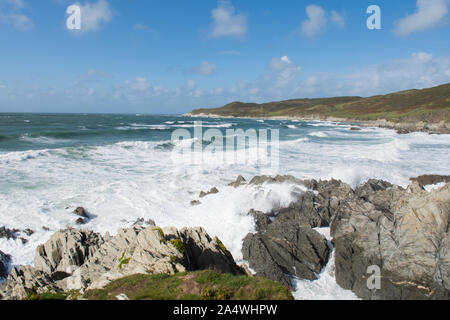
<point x="430" y="105"/>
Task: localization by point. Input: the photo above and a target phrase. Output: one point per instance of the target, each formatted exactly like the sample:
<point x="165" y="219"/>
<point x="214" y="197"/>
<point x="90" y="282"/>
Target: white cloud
<point x="138" y="84"/>
<point x="205" y="68"/>
<point x="94" y="14"/>
<point x="11" y="12"/>
<point x="227" y="23"/>
<point x="284" y="68"/>
<point x="316" y="22"/>
<point x="429" y="14"/>
<point x="337" y="19"/>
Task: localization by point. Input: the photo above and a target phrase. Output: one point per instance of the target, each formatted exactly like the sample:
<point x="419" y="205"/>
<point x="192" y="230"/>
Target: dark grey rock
<point x="80" y="211"/>
<point x="5" y="260"/>
<point x="212" y="191"/>
<point x="370" y="187"/>
<point x="9" y="233"/>
<point x="285" y="250"/>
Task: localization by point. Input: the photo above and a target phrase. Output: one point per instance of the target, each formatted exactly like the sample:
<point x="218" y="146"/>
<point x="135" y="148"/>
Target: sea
<point x="121" y="168"/>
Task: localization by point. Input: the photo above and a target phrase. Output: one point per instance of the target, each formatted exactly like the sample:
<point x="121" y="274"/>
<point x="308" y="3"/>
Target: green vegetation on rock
<point x="178" y="244"/>
<point x="199" y="285"/>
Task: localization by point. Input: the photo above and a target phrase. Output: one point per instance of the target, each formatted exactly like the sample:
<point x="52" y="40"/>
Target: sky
<point x="171" y="56"/>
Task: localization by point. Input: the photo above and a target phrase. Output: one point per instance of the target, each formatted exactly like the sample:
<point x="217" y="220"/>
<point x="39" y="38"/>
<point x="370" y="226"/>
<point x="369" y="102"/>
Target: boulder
<point x="80" y="211"/>
<point x="431" y="179"/>
<point x="403" y="232"/>
<point x="370" y="187"/>
<point x="8" y="233"/>
<point x="285" y="250"/>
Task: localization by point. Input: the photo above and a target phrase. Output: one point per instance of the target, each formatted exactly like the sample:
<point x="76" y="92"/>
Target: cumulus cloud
<point x="318" y="20"/>
<point x="205" y="68"/>
<point x="226" y="22"/>
<point x="94" y="14"/>
<point x="429" y="14"/>
<point x="11" y="12"/>
<point x="284" y="68"/>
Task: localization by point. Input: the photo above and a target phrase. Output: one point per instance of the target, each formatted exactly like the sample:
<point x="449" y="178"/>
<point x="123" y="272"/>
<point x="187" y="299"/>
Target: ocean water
<point x="120" y="168"/>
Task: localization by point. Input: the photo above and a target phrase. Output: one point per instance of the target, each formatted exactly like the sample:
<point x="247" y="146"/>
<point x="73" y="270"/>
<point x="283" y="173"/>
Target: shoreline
<point x="401" y="127"/>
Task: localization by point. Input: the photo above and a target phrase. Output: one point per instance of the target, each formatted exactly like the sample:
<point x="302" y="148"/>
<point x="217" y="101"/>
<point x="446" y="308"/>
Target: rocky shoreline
<point x="402" y="232"/>
<point x="405" y="127"/>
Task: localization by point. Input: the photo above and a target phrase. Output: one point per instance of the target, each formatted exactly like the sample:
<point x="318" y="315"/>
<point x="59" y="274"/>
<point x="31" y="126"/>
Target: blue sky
<point x="169" y="56"/>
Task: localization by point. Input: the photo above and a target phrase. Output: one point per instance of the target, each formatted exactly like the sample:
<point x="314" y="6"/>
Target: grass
<point x="200" y="285"/>
<point x="429" y="105"/>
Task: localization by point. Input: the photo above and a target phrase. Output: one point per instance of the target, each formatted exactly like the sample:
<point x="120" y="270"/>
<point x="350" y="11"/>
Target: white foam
<point x="436" y="186"/>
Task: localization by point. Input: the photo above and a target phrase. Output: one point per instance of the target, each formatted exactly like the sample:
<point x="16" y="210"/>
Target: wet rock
<point x="285" y="250"/>
<point x="195" y="203"/>
<point x="81" y="221"/>
<point x="431" y="179"/>
<point x="143" y="222"/>
<point x="28" y="232"/>
<point x="212" y="191"/>
<point x="238" y="182"/>
<point x="80" y="211"/>
<point x="5" y="260"/>
<point x="262" y="220"/>
<point x="355" y="128"/>
<point x="23" y="240"/>
<point x="8" y="233"/>
<point x="403" y="232"/>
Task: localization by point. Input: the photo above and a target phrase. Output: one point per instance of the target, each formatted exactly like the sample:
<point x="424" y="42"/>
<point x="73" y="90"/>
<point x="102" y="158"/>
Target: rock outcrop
<point x="4" y="264"/>
<point x="405" y="233"/>
<point x="79" y="260"/>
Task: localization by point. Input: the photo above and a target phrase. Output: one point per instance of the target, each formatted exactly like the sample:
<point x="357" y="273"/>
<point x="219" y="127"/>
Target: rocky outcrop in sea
<point x="402" y="232"/>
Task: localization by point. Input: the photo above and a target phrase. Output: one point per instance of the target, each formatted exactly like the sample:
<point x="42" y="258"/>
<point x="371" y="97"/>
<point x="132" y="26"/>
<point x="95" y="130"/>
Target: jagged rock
<point x="21" y="283"/>
<point x="81" y="221"/>
<point x="80" y="211"/>
<point x="370" y="187"/>
<point x="238" y="182"/>
<point x="212" y="191"/>
<point x="78" y="259"/>
<point x="8" y="233"/>
<point x="66" y="250"/>
<point x="431" y="179"/>
<point x="259" y="180"/>
<point x="5" y="259"/>
<point x="285" y="250"/>
<point x="28" y="232"/>
<point x="262" y="220"/>
<point x="195" y="203"/>
<point x="143" y="222"/>
<point x="403" y="232"/>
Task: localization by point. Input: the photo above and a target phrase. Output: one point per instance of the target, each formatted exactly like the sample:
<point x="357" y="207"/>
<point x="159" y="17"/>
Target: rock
<point x="28" y="232"/>
<point x="66" y="250"/>
<point x="8" y="233"/>
<point x="212" y="191"/>
<point x="403" y="232"/>
<point x="370" y="187"/>
<point x="238" y="182"/>
<point x="355" y="129"/>
<point x="195" y="203"/>
<point x="5" y="260"/>
<point x="45" y="228"/>
<point x="81" y="221"/>
<point x="262" y="220"/>
<point x="285" y="250"/>
<point x="78" y="259"/>
<point x="431" y="179"/>
<point x="23" y="240"/>
<point x="143" y="222"/>
<point x="80" y="211"/>
<point x="20" y="284"/>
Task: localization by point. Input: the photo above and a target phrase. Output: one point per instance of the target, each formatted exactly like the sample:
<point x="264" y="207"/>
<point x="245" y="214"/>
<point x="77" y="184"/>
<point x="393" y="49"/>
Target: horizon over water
<point x="118" y="166"/>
